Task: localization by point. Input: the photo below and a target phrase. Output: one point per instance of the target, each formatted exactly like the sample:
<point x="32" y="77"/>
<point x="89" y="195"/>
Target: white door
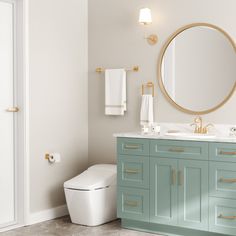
<point x="7" y="118"/>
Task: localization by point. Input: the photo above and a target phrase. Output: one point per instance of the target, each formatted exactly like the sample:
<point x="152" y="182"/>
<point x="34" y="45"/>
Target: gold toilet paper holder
<point x="47" y="156"/>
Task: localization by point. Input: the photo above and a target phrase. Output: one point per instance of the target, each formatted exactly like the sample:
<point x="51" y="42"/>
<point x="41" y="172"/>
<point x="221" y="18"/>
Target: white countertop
<point x="226" y="139"/>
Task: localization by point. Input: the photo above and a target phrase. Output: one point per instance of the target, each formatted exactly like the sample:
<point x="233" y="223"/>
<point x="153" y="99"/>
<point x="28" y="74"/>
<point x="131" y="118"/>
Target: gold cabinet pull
<point x="131" y="203"/>
<point x="227" y="180"/>
<point x="127" y="146"/>
<point x="227" y="153"/>
<point x="176" y="150"/>
<point x="12" y="109"/>
<point x="131" y="171"/>
<point x="173" y="176"/>
<point x="227" y="217"/>
<point x="180" y="177"/>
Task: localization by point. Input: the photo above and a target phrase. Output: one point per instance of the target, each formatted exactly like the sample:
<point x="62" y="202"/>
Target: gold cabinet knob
<point x="12" y="109"/>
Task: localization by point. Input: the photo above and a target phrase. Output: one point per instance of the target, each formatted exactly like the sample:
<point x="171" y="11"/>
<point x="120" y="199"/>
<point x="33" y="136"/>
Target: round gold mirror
<point x="197" y="68"/>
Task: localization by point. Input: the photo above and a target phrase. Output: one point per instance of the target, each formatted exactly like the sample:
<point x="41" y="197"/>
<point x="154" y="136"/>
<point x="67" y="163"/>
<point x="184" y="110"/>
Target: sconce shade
<point x="145" y="16"/>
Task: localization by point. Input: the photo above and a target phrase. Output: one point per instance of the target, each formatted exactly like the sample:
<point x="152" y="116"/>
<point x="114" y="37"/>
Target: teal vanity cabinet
<point x="179" y="183"/>
<point x="133" y="179"/>
<point x="181" y="201"/>
<point x="222" y="173"/>
<point x="177" y="187"/>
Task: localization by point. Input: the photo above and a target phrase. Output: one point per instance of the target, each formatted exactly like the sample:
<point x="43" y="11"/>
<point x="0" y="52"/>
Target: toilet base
<point x="91" y="208"/>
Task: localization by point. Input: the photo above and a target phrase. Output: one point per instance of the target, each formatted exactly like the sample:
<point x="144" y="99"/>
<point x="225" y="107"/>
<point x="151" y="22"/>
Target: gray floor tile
<point x="64" y="227"/>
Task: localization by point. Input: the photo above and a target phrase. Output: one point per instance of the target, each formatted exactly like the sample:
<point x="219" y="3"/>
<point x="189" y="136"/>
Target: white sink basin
<point x="191" y="135"/>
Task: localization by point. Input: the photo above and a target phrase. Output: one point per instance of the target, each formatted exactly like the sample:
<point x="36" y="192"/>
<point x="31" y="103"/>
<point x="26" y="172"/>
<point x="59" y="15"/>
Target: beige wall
<point x="58" y="80"/>
<point x="58" y="97"/>
<point x="116" y="40"/>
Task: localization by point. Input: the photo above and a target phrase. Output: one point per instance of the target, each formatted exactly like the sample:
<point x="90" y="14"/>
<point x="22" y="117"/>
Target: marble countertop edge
<point x="226" y="139"/>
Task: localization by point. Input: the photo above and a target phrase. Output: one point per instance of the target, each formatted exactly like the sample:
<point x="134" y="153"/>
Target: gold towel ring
<point x="148" y="85"/>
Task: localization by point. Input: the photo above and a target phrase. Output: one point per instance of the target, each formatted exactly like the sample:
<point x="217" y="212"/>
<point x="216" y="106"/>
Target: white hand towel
<point x="146" y="114"/>
<point x="115" y="92"/>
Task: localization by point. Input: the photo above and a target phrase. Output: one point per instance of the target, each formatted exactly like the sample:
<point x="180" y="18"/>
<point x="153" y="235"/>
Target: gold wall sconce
<point x="145" y="18"/>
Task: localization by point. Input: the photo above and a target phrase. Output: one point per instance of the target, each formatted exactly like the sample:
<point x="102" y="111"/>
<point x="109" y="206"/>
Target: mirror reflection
<point x="198" y="69"/>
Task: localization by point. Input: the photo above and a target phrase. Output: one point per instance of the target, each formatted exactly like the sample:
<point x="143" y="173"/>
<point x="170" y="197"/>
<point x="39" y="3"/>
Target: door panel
<point x="222" y="216"/>
<point x="133" y="146"/>
<point x="133" y="203"/>
<point x="223" y="180"/>
<point x="6" y="119"/>
<point x="133" y="171"/>
<point x="163" y="191"/>
<point x="225" y="152"/>
<point x="193" y="194"/>
<point x="179" y="149"/>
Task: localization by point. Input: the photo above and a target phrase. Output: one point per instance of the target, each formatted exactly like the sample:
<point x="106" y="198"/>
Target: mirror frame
<point x="162" y="53"/>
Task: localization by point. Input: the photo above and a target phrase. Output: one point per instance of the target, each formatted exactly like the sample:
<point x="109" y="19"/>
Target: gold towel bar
<point x="148" y="85"/>
<point x="135" y="69"/>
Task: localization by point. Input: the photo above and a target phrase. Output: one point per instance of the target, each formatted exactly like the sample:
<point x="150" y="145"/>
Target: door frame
<point x="23" y="13"/>
<point x="21" y="92"/>
<point x="23" y="7"/>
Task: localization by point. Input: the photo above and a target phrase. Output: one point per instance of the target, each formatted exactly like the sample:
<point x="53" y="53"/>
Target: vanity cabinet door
<point x="133" y="171"/>
<point x="133" y="146"/>
<point x="223" y="180"/>
<point x="222" y="216"/>
<point x="163" y="191"/>
<point x="179" y="149"/>
<point x="133" y="204"/>
<point x="193" y="194"/>
<point x="225" y="152"/>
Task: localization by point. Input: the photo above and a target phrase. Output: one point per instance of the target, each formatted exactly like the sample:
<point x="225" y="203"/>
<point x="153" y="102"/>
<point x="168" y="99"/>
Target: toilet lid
<point x="95" y="177"/>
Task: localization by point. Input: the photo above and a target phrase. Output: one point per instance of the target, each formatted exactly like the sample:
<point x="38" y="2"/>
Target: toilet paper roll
<point x="55" y="157"/>
<point x="51" y="158"/>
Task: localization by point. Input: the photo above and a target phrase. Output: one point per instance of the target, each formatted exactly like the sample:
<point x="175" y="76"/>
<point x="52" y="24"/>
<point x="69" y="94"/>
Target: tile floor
<point x="64" y="227"/>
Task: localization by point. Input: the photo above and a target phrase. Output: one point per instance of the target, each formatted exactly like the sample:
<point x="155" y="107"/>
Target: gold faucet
<point x="199" y="128"/>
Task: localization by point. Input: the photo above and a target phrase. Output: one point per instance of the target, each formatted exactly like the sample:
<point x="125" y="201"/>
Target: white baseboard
<point x="48" y="214"/>
<point x="10" y="227"/>
<point x="40" y="217"/>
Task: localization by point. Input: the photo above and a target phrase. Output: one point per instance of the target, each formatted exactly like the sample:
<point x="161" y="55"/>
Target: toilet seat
<point x="94" y="178"/>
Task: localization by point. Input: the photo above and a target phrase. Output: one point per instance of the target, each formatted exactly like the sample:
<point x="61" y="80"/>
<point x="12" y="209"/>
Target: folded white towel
<point x="115" y="92"/>
<point x="146" y="114"/>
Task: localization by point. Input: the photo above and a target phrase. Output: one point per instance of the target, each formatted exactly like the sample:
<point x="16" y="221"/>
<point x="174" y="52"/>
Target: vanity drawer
<point x="223" y="180"/>
<point x="133" y="204"/>
<point x="222" y="216"/>
<point x="223" y="152"/>
<point x="133" y="171"/>
<point x="133" y="146"/>
<point x="179" y="149"/>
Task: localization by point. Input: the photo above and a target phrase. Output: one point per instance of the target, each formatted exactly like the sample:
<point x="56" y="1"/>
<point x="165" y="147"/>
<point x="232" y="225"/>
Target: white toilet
<point x="91" y="196"/>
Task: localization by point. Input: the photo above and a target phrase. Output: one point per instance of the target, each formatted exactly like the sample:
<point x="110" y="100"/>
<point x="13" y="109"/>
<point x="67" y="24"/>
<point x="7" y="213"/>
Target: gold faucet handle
<point x="209" y="125"/>
<point x="206" y="128"/>
<point x="196" y="127"/>
<point x="198" y="119"/>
